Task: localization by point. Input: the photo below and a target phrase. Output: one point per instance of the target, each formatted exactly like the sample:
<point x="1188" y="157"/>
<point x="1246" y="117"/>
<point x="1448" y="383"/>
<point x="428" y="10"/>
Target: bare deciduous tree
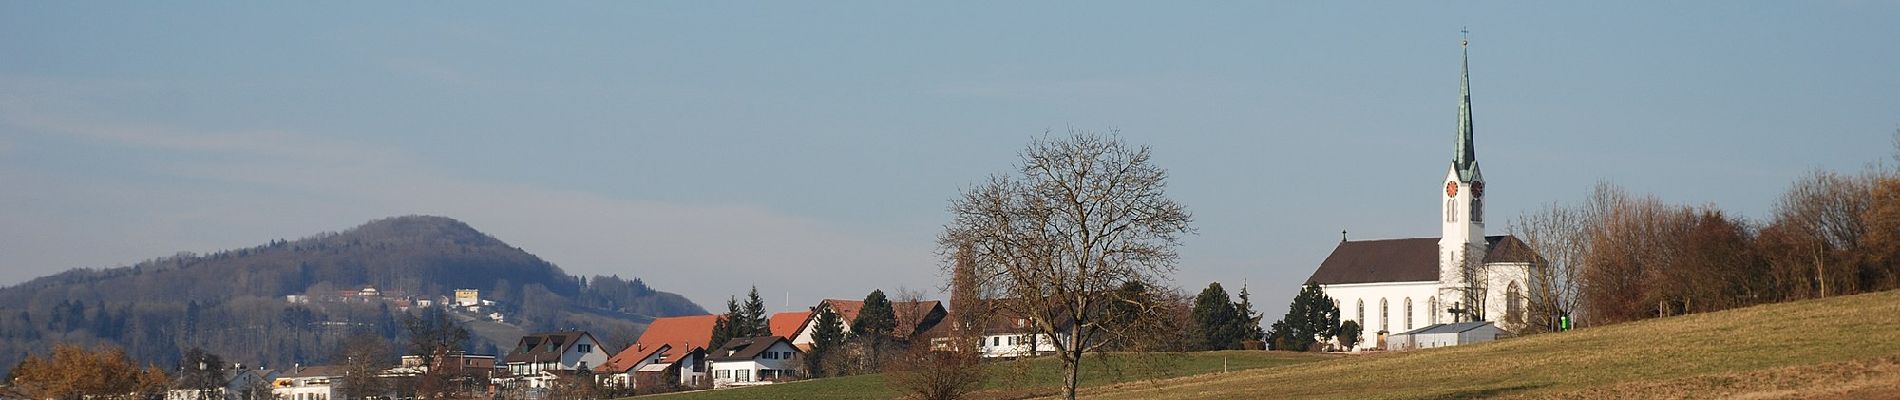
<point x="1084" y="214"/>
<point x="1560" y="237"/>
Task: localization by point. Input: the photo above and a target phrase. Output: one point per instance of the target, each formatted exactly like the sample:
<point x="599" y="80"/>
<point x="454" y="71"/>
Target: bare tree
<point x="1821" y="217"/>
<point x="1084" y="215"/>
<point x="1560" y="237"/>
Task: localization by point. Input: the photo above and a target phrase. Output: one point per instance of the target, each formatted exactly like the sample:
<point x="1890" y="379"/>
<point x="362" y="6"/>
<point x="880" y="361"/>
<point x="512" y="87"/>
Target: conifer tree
<point x="826" y="338"/>
<point x="1216" y="324"/>
<point x="877" y="318"/>
<point x="755" y="318"/>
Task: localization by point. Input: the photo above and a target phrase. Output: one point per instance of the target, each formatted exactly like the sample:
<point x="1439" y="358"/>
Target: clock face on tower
<point x="1477" y="189"/>
<point x="1451" y="189"/>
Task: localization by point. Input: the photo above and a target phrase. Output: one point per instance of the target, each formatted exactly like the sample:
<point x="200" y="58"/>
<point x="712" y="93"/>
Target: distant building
<point x="308" y="383"/>
<point x="754" y="361"/>
<point x="468" y="297"/>
<point x="537" y="358"/>
<point x="1442" y="335"/>
<point x="297" y="299"/>
<point x="239" y="384"/>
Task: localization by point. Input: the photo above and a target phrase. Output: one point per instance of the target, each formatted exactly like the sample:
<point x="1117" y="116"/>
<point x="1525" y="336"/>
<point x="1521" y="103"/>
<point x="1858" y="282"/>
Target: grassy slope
<point x="1030" y="378"/>
<point x="1844" y="347"/>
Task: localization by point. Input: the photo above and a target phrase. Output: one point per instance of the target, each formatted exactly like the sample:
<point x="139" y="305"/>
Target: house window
<point x="788" y="355"/>
<point x="770" y="355"/>
<point x="1408" y="313"/>
<point x="742" y="375"/>
<point x="1384" y="312"/>
<point x="996" y="341"/>
<point x="585" y="348"/>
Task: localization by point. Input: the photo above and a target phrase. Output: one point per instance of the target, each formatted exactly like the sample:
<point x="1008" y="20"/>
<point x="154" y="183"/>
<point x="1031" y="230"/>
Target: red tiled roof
<point x="788" y="324"/>
<point x="682" y="332"/>
<point x="625" y="359"/>
<point x="847" y="309"/>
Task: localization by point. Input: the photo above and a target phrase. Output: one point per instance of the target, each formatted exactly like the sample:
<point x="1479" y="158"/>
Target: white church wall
<point x="1395" y="294"/>
<point x="1501" y="276"/>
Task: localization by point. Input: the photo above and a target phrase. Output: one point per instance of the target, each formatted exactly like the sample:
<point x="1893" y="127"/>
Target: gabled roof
<point x="789" y="324"/>
<point x="544" y="347"/>
<point x="848" y="311"/>
<point x="632" y="355"/>
<point x="681" y="332"/>
<point x="747" y="348"/>
<point x="1403" y="260"/>
<point x="314" y="371"/>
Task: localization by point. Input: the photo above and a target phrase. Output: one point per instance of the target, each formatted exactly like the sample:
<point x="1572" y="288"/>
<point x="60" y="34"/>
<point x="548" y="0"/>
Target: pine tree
<point x="755" y="318"/>
<point x="826" y="338"/>
<point x="723" y="328"/>
<point x="1249" y="319"/>
<point x="1311" y="318"/>
<point x="1215" y="322"/>
<point x="877" y="318"/>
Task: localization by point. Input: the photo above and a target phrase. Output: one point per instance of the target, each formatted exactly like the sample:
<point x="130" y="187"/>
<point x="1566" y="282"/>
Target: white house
<point x="308" y="383"/>
<point x="1442" y="335"/>
<point x="239" y="384"/>
<point x="555" y="352"/>
<point x="753" y="361"/>
<point x="1397" y="285"/>
<point x="1003" y="336"/>
<point x="618" y="371"/>
<point x="686" y="369"/>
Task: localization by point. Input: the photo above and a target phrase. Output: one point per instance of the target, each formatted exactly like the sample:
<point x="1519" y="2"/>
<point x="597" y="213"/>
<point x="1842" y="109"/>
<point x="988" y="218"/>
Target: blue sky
<point x="811" y="149"/>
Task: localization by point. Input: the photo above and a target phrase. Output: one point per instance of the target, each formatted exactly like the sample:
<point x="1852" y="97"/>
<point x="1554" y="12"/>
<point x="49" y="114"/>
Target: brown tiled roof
<point x="745" y="348"/>
<point x="848" y="311"/>
<point x="625" y="359"/>
<point x="544" y="347"/>
<point x="682" y="332"/>
<point x="1401" y="260"/>
<point x="788" y="324"/>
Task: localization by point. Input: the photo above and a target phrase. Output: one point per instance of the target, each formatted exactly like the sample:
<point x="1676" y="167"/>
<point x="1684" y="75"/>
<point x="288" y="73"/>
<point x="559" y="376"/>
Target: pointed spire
<point x="1466" y="155"/>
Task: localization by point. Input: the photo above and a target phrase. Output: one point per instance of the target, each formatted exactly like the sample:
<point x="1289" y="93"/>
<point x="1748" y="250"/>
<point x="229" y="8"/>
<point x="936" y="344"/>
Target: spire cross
<point x="1467" y="32"/>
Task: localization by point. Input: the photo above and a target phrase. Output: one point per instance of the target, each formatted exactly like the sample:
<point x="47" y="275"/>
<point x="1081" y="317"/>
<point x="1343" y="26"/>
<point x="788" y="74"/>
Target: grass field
<point x="1837" y="348"/>
<point x="1843" y="347"/>
<point x="1029" y="378"/>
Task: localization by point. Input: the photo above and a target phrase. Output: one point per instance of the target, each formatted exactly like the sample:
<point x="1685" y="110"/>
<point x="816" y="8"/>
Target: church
<point x="1397" y="285"/>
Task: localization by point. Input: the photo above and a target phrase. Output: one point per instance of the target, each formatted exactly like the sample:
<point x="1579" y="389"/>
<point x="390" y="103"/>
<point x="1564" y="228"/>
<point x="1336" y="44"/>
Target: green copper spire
<point x="1466" y="155"/>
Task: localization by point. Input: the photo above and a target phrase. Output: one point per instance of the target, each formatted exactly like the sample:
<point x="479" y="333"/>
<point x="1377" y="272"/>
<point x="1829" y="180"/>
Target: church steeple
<point x="1465" y="157"/>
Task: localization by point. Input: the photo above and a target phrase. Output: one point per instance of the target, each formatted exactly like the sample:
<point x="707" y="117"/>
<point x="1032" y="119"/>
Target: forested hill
<point x="235" y="303"/>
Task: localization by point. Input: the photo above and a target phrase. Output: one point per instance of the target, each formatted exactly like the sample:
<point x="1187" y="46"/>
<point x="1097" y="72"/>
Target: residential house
<point x="618" y="371"/>
<point x="239" y="384"/>
<point x="913" y="317"/>
<point x="540" y="358"/>
<point x="795" y="326"/>
<point x="753" y="361"/>
<point x="683" y="333"/>
<point x="308" y="383"/>
<point x="453" y="362"/>
<point x="1003" y="334"/>
<point x="685" y="369"/>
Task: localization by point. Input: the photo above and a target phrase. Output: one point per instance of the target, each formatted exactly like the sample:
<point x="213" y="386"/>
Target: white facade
<point x="308" y="385"/>
<point x="1381" y="306"/>
<point x="1013" y="345"/>
<point x="779" y="361"/>
<point x="1444" y="335"/>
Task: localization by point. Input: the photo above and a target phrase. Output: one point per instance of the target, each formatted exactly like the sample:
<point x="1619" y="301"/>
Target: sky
<point x="811" y="149"/>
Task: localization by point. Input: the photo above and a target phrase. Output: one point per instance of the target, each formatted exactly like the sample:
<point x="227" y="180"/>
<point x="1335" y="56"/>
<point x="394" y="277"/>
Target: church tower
<point x="1462" y="247"/>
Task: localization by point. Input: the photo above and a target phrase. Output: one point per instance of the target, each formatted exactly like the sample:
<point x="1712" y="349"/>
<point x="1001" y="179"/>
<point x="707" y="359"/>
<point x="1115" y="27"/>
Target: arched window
<point x="1408" y="313"/>
<point x="1384" y="316"/>
<point x="1431" y="309"/>
<point x="1477" y="210"/>
<point x="1513" y="304"/>
<point x="1360" y="315"/>
<point x="1451" y="210"/>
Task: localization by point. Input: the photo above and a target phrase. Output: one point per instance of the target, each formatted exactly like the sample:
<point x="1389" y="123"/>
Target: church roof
<point x="1403" y="260"/>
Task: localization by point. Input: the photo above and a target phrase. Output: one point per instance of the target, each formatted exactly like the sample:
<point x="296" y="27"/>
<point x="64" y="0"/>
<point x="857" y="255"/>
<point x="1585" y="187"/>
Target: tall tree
<point x="1310" y="319"/>
<point x="876" y="319"/>
<point x="1249" y="320"/>
<point x="755" y="319"/>
<point x="1560" y="237"/>
<point x="1081" y="215"/>
<point x="202" y="372"/>
<point x="363" y="357"/>
<point x="71" y="373"/>
<point x="826" y="338"/>
<point x="433" y="335"/>
<point x="1216" y="324"/>
<point x="725" y="327"/>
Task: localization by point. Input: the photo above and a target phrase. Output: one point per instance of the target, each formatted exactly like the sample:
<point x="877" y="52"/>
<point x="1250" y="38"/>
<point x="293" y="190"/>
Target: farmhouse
<point x="754" y="360"/>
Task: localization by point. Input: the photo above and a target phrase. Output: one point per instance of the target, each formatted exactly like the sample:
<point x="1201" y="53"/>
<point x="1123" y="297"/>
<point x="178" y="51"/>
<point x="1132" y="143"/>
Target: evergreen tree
<point x="1249" y="319"/>
<point x="826" y="338"/>
<point x="755" y="319"/>
<point x="723" y="328"/>
<point x="877" y="318"/>
<point x="1349" y="334"/>
<point x="1311" y="318"/>
<point x="1216" y="324"/>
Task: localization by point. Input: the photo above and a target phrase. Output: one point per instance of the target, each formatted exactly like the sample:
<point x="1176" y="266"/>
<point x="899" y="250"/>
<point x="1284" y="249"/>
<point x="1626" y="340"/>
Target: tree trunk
<point x="1071" y="373"/>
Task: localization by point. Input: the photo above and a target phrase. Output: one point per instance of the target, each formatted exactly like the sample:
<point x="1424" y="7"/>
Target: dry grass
<point x="1842" y="347"/>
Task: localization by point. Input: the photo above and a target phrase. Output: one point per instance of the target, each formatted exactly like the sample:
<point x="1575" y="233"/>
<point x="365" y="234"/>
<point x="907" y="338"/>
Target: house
<point x="239" y="384"/>
<point x="539" y="358"/>
<point x="618" y="371"/>
<point x="1441" y="335"/>
<point x="1003" y="335"/>
<point x="454" y="362"/>
<point x="795" y="326"/>
<point x="913" y="317"/>
<point x="754" y="361"/>
<point x="308" y="383"/>
<point x="468" y="297"/>
<point x="686" y="369"/>
<point x="683" y="333"/>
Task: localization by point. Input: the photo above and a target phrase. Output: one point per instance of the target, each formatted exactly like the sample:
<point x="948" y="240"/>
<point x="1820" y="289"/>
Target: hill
<point x="234" y="303"/>
<point x="1840" y="347"/>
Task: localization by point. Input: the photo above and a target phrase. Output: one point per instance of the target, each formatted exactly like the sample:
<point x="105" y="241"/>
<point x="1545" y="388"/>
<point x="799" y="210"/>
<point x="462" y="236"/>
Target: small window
<point x="996" y="341"/>
<point x="586" y="348"/>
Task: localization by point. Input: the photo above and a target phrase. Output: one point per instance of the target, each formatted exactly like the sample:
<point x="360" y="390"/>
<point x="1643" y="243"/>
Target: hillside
<point x="1841" y="347"/>
<point x="1030" y="377"/>
<point x="234" y="303"/>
